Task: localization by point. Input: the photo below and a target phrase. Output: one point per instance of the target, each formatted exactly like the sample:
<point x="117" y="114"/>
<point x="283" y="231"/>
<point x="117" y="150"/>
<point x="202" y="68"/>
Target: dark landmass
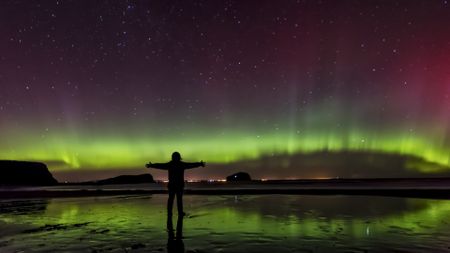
<point x="122" y="179"/>
<point x="25" y="173"/>
<point x="240" y="176"/>
<point x="125" y="179"/>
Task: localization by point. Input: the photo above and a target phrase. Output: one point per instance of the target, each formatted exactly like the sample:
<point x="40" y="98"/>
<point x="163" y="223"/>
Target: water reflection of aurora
<point x="362" y="220"/>
<point x="232" y="217"/>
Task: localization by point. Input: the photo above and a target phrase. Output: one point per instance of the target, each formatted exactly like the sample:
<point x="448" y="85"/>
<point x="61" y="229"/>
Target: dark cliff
<point x="25" y="173"/>
<point x="128" y="179"/>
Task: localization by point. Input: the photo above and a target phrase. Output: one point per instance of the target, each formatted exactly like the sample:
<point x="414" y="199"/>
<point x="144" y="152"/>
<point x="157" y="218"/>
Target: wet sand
<point x="226" y="223"/>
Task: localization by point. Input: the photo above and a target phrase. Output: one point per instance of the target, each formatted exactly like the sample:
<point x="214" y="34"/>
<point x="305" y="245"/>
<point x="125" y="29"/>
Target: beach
<point x="438" y="188"/>
<point x="226" y="223"/>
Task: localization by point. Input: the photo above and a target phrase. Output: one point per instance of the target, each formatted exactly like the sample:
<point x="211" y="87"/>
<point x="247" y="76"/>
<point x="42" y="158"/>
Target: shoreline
<point x="382" y="192"/>
<point x="414" y="188"/>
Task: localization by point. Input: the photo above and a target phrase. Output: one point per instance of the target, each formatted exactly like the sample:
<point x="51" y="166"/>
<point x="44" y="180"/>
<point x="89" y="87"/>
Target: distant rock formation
<point x="25" y="173"/>
<point x="240" y="176"/>
<point x="128" y="179"/>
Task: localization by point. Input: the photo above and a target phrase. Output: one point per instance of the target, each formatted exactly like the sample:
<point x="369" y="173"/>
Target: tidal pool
<point x="255" y="223"/>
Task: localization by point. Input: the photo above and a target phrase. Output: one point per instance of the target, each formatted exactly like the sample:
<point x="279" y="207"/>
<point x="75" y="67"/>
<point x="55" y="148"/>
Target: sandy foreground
<point x="225" y="223"/>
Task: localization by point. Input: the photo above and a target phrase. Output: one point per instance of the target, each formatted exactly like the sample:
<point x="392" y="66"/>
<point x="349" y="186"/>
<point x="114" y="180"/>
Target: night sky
<point x="281" y="89"/>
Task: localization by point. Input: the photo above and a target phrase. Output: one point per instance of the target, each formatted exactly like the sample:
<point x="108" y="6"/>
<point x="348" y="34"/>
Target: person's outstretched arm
<point x="194" y="165"/>
<point x="161" y="166"/>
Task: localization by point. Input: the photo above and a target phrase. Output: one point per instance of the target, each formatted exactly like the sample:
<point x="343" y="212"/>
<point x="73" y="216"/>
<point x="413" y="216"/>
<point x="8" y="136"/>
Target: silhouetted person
<point x="176" y="179"/>
<point x="175" y="242"/>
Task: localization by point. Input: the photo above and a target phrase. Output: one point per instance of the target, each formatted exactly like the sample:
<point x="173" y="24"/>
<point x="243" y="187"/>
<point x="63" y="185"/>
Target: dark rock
<point x="53" y="227"/>
<point x="128" y="179"/>
<point x="137" y="246"/>
<point x="99" y="231"/>
<point x="240" y="176"/>
<point x="24" y="206"/>
<point x="47" y="227"/>
<point x="25" y="173"/>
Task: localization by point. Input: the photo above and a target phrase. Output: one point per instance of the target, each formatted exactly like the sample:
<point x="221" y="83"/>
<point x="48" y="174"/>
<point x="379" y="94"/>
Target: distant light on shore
<point x="197" y="181"/>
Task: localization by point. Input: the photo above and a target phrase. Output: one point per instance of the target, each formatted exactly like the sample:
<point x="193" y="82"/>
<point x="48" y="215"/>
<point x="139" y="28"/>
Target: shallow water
<point x="264" y="223"/>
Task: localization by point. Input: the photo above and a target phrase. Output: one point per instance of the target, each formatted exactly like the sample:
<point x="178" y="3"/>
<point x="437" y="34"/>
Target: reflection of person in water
<point x="175" y="242"/>
<point x="175" y="169"/>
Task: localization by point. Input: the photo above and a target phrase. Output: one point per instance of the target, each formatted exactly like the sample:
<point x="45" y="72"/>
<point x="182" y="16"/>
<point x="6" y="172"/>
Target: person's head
<point x="176" y="156"/>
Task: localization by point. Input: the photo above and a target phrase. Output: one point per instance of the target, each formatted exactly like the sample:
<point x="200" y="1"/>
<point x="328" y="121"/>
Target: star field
<point x="105" y="85"/>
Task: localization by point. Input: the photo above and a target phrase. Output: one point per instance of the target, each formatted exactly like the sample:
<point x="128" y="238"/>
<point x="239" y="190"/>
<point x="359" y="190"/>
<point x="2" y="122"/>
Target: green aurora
<point x="65" y="152"/>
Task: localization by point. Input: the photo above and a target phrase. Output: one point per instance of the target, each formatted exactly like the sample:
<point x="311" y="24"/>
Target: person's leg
<point x="180" y="227"/>
<point x="170" y="226"/>
<point x="180" y="202"/>
<point x="170" y="202"/>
